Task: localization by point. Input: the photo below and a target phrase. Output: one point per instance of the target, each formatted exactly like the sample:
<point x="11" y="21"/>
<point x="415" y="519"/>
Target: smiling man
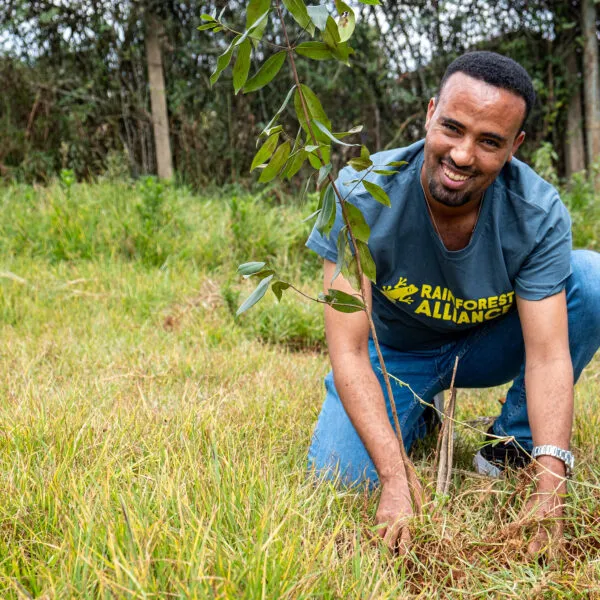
<point x="473" y="260"/>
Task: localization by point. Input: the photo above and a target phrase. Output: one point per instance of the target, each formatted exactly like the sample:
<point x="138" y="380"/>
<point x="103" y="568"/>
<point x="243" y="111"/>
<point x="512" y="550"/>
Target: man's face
<point x="472" y="131"/>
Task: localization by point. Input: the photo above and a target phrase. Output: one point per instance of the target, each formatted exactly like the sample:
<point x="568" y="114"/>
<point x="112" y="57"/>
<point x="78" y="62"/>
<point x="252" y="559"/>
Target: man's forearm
<point x="363" y="400"/>
<point x="549" y="387"/>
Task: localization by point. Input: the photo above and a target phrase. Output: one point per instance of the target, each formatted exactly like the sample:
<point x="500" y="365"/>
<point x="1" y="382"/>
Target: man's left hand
<point x="543" y="512"/>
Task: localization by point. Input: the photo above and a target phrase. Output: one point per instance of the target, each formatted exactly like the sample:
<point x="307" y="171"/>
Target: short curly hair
<point x="497" y="70"/>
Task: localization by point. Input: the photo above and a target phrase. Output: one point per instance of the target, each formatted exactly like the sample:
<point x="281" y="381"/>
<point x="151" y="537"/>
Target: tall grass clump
<point x="159" y="226"/>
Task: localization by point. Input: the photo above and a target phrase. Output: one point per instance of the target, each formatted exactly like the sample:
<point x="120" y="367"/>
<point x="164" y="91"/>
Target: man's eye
<point x="492" y="143"/>
<point x="451" y="127"/>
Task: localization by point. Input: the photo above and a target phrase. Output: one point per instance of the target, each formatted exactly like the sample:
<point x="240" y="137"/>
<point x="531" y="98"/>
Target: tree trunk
<point x="590" y="83"/>
<point x="158" y="100"/>
<point x="573" y="144"/>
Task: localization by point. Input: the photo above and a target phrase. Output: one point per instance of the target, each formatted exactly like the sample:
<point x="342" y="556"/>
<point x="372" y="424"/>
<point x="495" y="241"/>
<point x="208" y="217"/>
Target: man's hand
<point x="394" y="513"/>
<point x="543" y="512"/>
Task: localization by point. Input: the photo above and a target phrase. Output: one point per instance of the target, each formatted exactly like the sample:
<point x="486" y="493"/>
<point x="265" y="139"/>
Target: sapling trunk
<point x="413" y="481"/>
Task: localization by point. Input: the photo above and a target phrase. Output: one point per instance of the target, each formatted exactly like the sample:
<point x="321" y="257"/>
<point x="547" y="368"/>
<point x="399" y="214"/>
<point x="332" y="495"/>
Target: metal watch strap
<point x="549" y="450"/>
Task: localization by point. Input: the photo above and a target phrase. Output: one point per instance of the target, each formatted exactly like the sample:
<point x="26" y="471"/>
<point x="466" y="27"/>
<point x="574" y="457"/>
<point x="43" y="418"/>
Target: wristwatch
<point x="565" y="455"/>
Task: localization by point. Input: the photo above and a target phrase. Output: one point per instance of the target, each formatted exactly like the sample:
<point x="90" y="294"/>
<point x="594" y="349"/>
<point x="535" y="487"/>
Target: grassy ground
<point x="153" y="446"/>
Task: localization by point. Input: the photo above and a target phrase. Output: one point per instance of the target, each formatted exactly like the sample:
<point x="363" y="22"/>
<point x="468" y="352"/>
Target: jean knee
<point x="584" y="282"/>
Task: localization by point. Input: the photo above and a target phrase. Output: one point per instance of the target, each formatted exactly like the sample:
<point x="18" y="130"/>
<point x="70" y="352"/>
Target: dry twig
<point x="445" y="445"/>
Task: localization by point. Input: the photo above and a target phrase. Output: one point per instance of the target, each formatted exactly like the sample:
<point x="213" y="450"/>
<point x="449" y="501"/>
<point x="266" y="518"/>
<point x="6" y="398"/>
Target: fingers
<point x="396" y="537"/>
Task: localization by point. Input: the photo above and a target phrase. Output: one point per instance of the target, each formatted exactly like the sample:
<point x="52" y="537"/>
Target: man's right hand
<point x="363" y="400"/>
<point x="394" y="513"/>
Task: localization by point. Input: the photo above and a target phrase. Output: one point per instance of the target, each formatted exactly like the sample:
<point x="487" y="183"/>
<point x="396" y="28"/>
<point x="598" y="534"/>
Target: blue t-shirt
<point x="425" y="295"/>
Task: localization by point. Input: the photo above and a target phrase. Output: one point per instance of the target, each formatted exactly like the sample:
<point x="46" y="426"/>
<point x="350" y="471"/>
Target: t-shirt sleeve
<point x="546" y="269"/>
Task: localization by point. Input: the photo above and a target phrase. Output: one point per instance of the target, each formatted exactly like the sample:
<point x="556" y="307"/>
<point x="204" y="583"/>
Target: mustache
<point x="448" y="161"/>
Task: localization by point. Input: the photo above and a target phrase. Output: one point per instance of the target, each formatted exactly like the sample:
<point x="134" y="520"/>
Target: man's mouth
<point x="453" y="175"/>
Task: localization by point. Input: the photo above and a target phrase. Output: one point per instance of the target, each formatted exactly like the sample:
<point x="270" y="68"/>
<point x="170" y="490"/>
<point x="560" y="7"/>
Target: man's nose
<point x="463" y="153"/>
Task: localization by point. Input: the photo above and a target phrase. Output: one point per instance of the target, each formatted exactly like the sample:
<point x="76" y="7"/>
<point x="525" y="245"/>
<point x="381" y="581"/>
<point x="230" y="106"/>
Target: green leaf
<point x="330" y="135"/>
<point x="341" y="301"/>
<point x="366" y="261"/>
<point x="342" y="242"/>
<point x="295" y="164"/>
<point x="331" y="34"/>
<point x="251" y="268"/>
<point x="323" y="173"/>
<point x="276" y="164"/>
<point x="363" y="162"/>
<point x="327" y="215"/>
<point x="350" y="270"/>
<point x="278" y="288"/>
<point x="358" y="225"/>
<point x="206" y="17"/>
<point x="342" y="52"/>
<point x="343" y="134"/>
<point x="255" y="296"/>
<point x="314" y="159"/>
<point x="346" y="22"/>
<point x="385" y="172"/>
<point x="255" y="27"/>
<point x="319" y="15"/>
<point x="360" y="164"/>
<point x="315" y="111"/>
<point x="273" y="131"/>
<point x="297" y="9"/>
<point x="207" y="26"/>
<point x="397" y="163"/>
<point x="278" y="113"/>
<point x="370" y="2"/>
<point x="255" y="10"/>
<point x="242" y="65"/>
<point x="311" y="216"/>
<point x="223" y="61"/>
<point x="377" y="193"/>
<point x="296" y="159"/>
<point x="265" y="152"/>
<point x="314" y="50"/>
<point x="266" y="73"/>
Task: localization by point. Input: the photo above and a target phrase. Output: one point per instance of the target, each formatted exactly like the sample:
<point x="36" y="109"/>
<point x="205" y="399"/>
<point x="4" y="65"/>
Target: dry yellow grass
<point x="150" y="449"/>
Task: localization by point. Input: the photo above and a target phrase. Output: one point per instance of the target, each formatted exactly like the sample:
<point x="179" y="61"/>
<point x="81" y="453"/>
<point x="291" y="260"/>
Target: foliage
<point x="75" y="84"/>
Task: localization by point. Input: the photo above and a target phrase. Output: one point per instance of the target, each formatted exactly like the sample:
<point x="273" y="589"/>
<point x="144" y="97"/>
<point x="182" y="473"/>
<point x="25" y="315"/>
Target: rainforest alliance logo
<point x="440" y="303"/>
<point x="400" y="292"/>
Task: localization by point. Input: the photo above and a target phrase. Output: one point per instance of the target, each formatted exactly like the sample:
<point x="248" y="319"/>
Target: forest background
<point x="76" y="94"/>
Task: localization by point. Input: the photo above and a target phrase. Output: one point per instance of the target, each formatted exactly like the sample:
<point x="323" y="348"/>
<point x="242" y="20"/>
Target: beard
<point x="451" y="198"/>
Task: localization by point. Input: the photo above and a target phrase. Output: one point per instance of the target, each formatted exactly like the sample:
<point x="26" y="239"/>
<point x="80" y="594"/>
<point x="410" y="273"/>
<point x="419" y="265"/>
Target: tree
<point x="591" y="83"/>
<point x="574" y="140"/>
<point x="158" y="98"/>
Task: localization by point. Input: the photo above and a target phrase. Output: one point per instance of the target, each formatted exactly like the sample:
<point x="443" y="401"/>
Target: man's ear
<point x="518" y="141"/>
<point x="430" y="111"/>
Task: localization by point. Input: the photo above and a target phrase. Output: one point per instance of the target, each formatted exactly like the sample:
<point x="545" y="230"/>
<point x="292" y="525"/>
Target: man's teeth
<point x="454" y="176"/>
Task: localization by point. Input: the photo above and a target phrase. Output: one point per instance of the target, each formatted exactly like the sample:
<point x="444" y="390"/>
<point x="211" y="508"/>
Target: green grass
<point x="154" y="446"/>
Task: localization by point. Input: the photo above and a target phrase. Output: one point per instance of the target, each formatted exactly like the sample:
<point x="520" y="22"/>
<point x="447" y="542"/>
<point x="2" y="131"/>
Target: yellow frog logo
<point x="400" y="292"/>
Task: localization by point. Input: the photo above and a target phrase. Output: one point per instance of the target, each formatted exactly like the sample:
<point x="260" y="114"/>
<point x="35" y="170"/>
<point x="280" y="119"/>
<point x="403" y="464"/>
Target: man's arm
<point x="362" y="397"/>
<point x="549" y="385"/>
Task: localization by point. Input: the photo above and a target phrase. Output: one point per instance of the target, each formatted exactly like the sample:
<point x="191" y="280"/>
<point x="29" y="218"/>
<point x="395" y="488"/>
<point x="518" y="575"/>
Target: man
<point x="473" y="260"/>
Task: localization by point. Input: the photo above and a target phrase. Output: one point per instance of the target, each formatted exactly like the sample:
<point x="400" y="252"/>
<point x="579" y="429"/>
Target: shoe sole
<point x="485" y="467"/>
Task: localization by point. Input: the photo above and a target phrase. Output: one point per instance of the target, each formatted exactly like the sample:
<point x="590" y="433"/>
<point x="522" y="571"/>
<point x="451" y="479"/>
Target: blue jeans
<point x="488" y="356"/>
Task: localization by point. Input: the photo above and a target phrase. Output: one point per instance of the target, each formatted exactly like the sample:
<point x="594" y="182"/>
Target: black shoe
<point x="492" y="459"/>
